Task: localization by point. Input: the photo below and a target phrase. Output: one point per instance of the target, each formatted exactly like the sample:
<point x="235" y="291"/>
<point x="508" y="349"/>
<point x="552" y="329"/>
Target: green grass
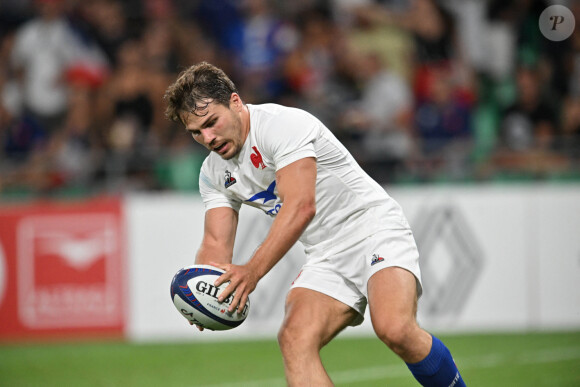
<point x="539" y="359"/>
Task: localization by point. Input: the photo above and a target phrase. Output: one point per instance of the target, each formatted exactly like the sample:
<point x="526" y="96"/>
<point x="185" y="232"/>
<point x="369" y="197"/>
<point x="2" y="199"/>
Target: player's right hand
<point x="242" y="281"/>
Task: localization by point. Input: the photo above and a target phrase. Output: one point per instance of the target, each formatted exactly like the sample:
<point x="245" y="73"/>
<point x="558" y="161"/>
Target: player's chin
<point x="230" y="152"/>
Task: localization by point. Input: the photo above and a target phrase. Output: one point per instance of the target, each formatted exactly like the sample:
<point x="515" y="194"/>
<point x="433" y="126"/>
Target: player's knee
<point x="395" y="333"/>
<point x="296" y="339"/>
<point x="290" y="336"/>
<point x="284" y="337"/>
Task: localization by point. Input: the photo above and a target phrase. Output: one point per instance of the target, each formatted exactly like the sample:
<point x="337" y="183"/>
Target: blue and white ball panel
<point x="195" y="297"/>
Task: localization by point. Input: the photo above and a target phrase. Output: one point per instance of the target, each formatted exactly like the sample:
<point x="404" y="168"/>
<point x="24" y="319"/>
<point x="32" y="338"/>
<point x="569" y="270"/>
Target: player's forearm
<point x="218" y="254"/>
<point x="218" y="237"/>
<point x="287" y="228"/>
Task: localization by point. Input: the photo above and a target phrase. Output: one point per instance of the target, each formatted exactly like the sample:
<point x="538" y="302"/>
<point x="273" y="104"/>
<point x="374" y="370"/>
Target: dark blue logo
<point x="266" y="195"/>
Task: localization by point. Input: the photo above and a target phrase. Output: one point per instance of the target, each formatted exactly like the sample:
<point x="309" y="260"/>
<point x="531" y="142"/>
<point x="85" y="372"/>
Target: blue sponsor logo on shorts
<point x="376" y="259"/>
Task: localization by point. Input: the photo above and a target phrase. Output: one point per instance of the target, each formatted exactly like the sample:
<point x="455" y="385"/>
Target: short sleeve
<point x="293" y="139"/>
<point x="213" y="197"/>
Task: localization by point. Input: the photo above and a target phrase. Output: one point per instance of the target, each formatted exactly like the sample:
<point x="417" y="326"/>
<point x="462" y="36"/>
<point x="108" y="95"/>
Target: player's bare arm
<point x="296" y="186"/>
<point x="218" y="237"/>
<point x="219" y="233"/>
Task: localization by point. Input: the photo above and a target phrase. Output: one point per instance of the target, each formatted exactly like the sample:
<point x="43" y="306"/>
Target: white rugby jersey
<point x="349" y="204"/>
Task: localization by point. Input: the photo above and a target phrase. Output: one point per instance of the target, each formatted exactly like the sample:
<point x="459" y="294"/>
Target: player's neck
<point x="245" y="116"/>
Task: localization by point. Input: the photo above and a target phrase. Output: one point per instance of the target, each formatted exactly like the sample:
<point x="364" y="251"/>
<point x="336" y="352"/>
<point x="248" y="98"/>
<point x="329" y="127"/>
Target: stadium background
<point x="461" y="109"/>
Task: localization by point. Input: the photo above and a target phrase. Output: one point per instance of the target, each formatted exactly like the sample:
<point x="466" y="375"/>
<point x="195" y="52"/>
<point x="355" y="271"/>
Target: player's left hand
<point x="242" y="280"/>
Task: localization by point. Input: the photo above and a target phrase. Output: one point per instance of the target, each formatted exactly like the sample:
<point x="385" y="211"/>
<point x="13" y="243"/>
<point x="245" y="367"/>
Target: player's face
<point x="219" y="128"/>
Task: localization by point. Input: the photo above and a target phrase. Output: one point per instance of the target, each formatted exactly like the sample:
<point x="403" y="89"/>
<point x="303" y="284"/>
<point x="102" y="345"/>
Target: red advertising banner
<point x="62" y="269"/>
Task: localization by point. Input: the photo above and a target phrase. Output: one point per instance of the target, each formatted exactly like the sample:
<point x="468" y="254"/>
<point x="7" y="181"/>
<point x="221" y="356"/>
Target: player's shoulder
<point x="268" y="120"/>
<point x="212" y="166"/>
<point x="274" y="113"/>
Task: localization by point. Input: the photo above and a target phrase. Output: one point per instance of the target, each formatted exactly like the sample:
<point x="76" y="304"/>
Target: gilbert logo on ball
<point x="557" y="23"/>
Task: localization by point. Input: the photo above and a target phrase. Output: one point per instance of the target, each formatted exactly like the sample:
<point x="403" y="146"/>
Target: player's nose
<point x="208" y="138"/>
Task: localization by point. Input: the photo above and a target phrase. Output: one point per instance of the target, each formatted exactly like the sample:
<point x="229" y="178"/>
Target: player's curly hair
<point x="195" y="88"/>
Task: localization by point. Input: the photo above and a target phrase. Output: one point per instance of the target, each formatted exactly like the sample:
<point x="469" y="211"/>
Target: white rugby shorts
<point x="344" y="275"/>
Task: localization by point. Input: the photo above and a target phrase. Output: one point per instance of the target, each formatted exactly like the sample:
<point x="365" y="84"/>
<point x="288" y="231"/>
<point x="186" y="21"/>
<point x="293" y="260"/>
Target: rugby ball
<point x="196" y="297"/>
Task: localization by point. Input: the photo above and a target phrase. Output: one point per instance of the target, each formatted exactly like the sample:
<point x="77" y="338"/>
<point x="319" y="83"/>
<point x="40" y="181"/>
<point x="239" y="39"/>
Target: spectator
<point x="44" y="49"/>
<point x="443" y="120"/>
<point x="381" y="120"/>
<point x="221" y="20"/>
<point x="375" y="26"/>
<point x="265" y="41"/>
<point x="126" y="113"/>
<point x="313" y="69"/>
<point x="529" y="129"/>
<point x="106" y="22"/>
<point x="570" y="141"/>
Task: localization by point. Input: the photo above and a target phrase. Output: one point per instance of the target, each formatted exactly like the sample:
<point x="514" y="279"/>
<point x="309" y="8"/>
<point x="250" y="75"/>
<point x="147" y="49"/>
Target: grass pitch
<point x="537" y="359"/>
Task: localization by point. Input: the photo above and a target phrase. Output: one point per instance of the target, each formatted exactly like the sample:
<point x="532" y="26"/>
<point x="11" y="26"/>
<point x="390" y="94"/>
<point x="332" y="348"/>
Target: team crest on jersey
<point x="256" y="159"/>
<point x="230" y="180"/>
<point x="376" y="259"/>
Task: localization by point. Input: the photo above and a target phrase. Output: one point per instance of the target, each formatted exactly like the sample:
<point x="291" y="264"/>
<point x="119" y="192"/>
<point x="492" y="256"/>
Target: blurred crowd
<point x="418" y="90"/>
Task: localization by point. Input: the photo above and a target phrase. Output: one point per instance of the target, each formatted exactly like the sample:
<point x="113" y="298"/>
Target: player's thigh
<point x="392" y="297"/>
<point x="314" y="317"/>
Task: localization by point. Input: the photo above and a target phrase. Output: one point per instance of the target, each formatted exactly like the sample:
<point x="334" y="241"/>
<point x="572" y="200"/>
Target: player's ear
<point x="236" y="101"/>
